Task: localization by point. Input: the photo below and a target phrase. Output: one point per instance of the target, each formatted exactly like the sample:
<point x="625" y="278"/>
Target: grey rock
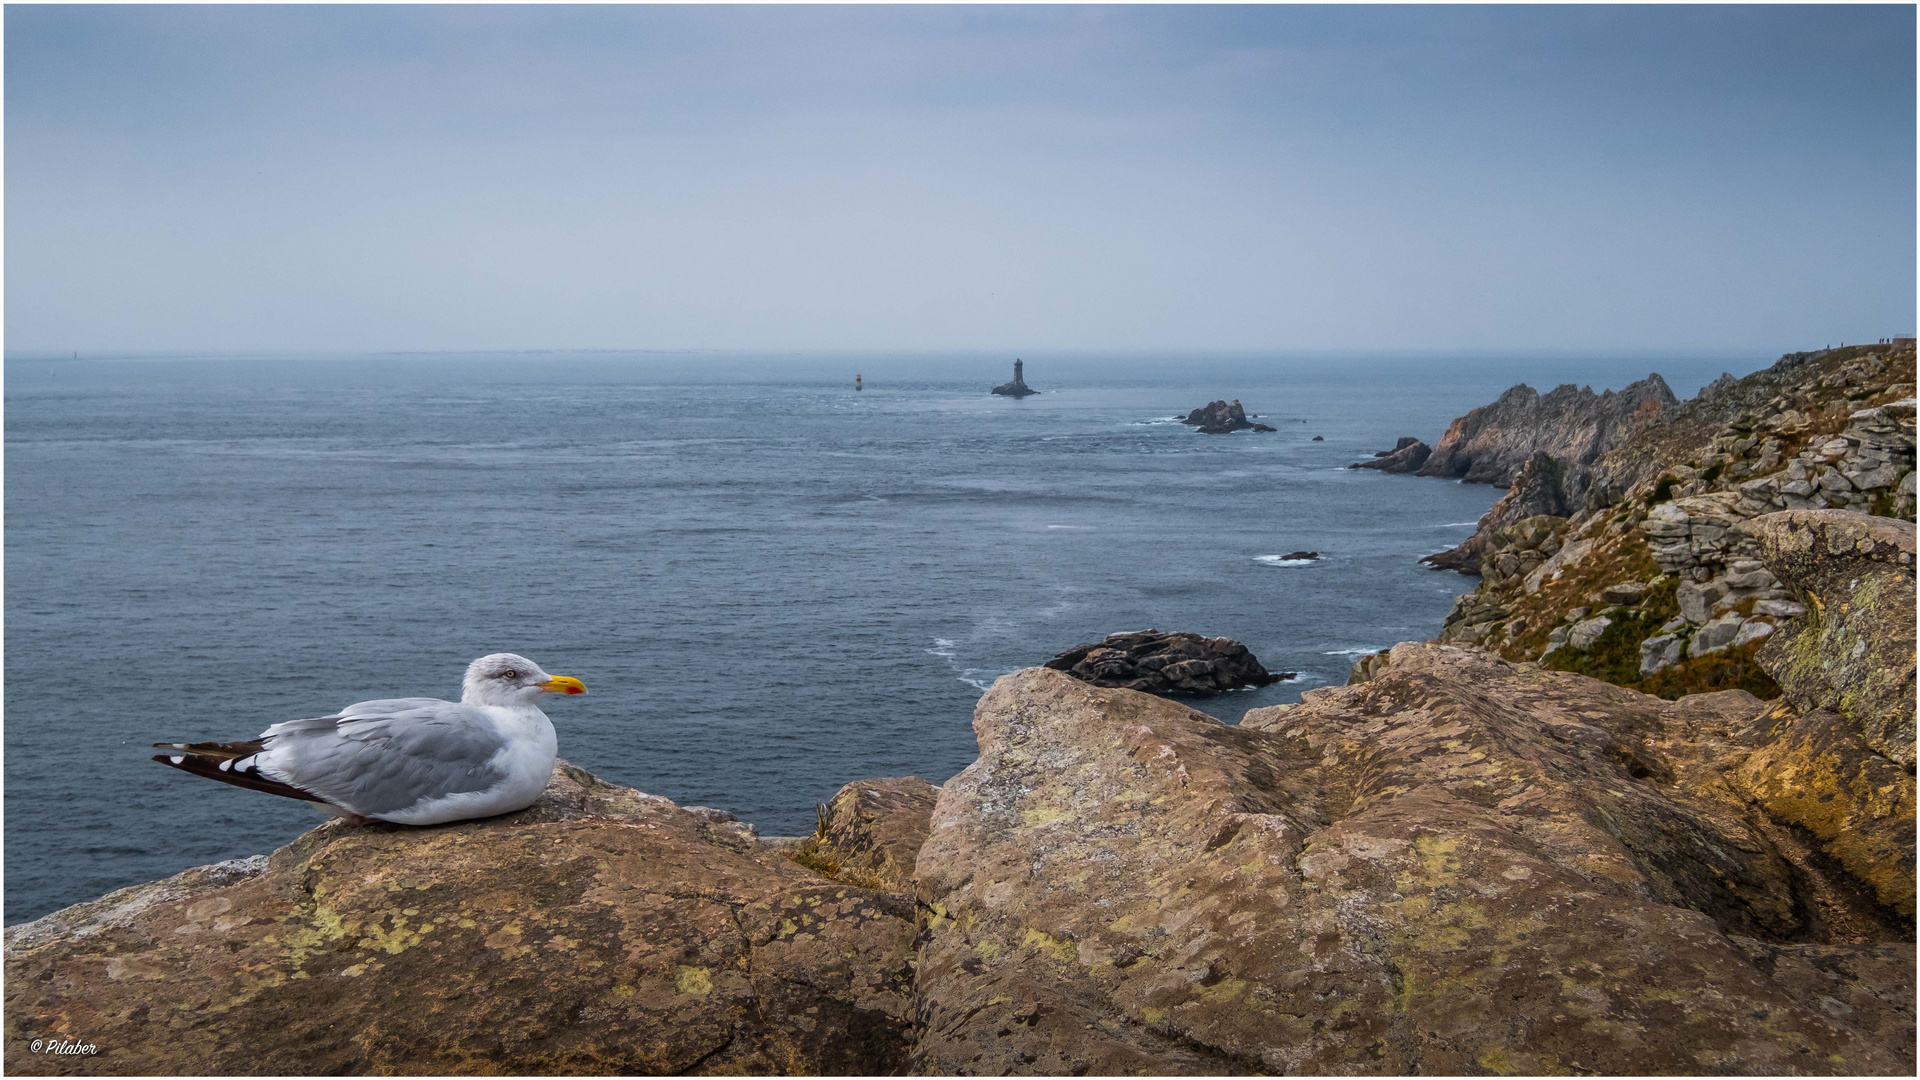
<point x="1659" y="653"/>
<point x="1716" y="635"/>
<point x="1586" y="632"/>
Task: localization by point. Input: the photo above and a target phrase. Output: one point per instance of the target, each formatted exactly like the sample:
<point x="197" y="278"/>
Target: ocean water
<point x="771" y="584"/>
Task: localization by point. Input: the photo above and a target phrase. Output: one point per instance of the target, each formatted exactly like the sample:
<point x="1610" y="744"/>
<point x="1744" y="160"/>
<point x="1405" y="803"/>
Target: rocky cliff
<point x="1570" y="423"/>
<point x="1639" y="567"/>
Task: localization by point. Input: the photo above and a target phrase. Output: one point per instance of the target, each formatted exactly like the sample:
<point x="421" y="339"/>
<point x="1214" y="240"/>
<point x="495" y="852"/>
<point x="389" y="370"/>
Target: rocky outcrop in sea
<point x="1406" y="456"/>
<point x="1222" y="418"/>
<point x="1154" y="662"/>
<point x="1018" y="386"/>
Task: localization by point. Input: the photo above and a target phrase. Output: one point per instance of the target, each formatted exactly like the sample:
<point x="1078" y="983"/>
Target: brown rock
<point x="871" y="832"/>
<point x="1460" y="865"/>
<point x="598" y="931"/>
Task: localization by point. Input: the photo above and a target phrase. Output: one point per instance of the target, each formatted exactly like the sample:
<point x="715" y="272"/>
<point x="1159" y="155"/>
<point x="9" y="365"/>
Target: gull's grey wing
<point x="375" y="762"/>
<point x="359" y="710"/>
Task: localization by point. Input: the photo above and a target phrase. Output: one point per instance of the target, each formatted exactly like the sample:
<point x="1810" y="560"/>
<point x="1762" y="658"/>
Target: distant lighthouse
<point x="856" y="381"/>
<point x="1018" y="387"/>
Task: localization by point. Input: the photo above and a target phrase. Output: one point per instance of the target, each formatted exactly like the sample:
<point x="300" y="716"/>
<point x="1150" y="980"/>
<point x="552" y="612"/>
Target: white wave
<point x="944" y="649"/>
<point x="1455" y="524"/>
<point x="1069" y="526"/>
<point x="1364" y="650"/>
<point x="1282" y="560"/>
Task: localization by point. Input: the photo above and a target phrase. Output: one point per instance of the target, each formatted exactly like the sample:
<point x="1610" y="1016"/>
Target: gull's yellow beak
<point x="564" y="684"/>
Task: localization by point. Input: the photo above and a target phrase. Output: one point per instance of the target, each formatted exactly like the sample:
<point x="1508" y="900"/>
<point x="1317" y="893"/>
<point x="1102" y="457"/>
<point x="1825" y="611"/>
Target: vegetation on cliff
<point x="1659" y="520"/>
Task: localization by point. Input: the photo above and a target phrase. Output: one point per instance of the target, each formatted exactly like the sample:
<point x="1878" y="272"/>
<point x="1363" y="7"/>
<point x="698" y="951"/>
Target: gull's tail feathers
<point x="228" y="763"/>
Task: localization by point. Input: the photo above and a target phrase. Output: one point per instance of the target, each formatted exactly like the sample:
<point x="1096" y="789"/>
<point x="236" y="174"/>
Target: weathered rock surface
<point x="1545" y="487"/>
<point x="871" y="832"/>
<point x="1571" y="424"/>
<point x="598" y="931"/>
<point x="1459" y="865"/>
<point x="1853" y="650"/>
<point x="1222" y="418"/>
<point x="1406" y="456"/>
<point x="1165" y="663"/>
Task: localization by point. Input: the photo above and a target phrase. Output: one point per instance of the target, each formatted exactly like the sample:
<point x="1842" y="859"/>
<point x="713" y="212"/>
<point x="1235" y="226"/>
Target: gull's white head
<point x="509" y="679"/>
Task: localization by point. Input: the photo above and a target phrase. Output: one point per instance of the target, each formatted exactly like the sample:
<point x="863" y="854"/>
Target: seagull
<point x="410" y="761"/>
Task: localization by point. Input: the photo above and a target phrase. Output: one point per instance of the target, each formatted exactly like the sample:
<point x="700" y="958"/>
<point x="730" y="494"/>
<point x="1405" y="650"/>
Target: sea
<point x="771" y="583"/>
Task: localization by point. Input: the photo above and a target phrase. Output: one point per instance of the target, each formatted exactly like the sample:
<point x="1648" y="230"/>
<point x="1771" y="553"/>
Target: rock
<point x="1752" y="630"/>
<point x="1625" y="592"/>
<point x="1853" y="651"/>
<point x="1221" y="418"/>
<point x="1782" y="609"/>
<point x="1293" y="556"/>
<point x="1698" y="598"/>
<point x="1659" y="653"/>
<point x="870" y="833"/>
<point x="1316" y="438"/>
<point x="1018" y="387"/>
<point x="1716" y="635"/>
<point x="1571" y="425"/>
<point x="1407" y="456"/>
<point x="1544" y="488"/>
<point x="1420" y="873"/>
<point x="1165" y="663"/>
<point x="1816" y="773"/>
<point x="1583" y="634"/>
<point x="598" y="931"/>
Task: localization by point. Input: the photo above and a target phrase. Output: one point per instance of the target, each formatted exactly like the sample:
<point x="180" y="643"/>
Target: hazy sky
<point x="942" y="178"/>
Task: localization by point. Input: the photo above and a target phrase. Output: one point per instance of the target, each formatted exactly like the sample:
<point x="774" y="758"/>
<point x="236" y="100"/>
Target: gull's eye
<point x="509" y="674"/>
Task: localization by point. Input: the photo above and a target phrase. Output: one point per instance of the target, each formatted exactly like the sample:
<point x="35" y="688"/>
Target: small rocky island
<point x="1406" y="456"/>
<point x="1166" y="663"/>
<point x="1018" y="387"/>
<point x="1221" y="418"/>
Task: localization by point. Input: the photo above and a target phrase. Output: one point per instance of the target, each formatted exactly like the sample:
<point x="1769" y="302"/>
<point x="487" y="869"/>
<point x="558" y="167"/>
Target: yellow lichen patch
<point x="1438" y="855"/>
<point x="320" y="929"/>
<point x="506" y="937"/>
<point x="1064" y="952"/>
<point x="697" y="981"/>
<point x="1041" y="816"/>
<point x="391" y="941"/>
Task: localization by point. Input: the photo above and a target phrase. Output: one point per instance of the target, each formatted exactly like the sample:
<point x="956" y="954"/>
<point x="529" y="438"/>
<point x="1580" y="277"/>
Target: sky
<point x="941" y="178"/>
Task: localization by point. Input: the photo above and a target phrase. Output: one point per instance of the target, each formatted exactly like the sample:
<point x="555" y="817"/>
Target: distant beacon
<point x="856" y="381"/>
<point x="1018" y="387"/>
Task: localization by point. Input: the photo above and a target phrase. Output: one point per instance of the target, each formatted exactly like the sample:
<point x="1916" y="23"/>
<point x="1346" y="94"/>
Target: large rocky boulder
<point x="1167" y="663"/>
<point x="1222" y="418"/>
<point x="1571" y="423"/>
<point x="598" y="931"/>
<point x="870" y="833"/>
<point x="1459" y="865"/>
